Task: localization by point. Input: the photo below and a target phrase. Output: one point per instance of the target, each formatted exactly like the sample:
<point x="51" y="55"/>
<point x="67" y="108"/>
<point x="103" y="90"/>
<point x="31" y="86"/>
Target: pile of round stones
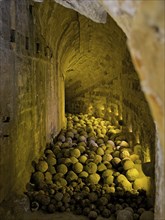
<point x="90" y="170"/>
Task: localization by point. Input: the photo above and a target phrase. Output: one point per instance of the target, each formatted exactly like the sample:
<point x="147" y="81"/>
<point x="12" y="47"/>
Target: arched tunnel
<point x="69" y="83"/>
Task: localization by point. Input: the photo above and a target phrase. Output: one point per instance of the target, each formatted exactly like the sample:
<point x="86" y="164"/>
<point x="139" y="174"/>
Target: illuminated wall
<point x="31" y="95"/>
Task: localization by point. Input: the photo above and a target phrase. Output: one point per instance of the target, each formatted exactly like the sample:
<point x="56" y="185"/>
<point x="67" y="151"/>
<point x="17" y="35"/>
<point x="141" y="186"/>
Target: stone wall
<point x="30" y="89"/>
<point x="136" y="112"/>
<point x="97" y="69"/>
<point x="144" y="24"/>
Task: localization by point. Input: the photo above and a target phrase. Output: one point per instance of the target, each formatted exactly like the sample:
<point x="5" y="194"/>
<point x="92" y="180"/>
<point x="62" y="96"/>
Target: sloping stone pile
<point x="90" y="170"/>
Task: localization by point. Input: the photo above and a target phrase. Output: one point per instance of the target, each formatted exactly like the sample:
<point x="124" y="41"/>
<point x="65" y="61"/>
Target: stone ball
<point x="37" y="177"/>
<point x="77" y="167"/>
<point x="51" y="160"/>
<point x="124" y="144"/>
<point x="75" y="153"/>
<point x="106" y="213"/>
<point x="61" y="138"/>
<point x="128" y="164"/>
<point x="42" y="166"/>
<point x="94" y="178"/>
<point x="93" y="197"/>
<point x="58" y="196"/>
<point x="73" y="160"/>
<point x="101" y="167"/>
<point x="147" y="215"/>
<point x="124" y="154"/>
<point x="107" y="173"/>
<point x="121" y="178"/>
<point x="62" y="168"/>
<point x="83" y="174"/>
<point x="100" y="151"/>
<point x="132" y="174"/>
<point x="81" y="148"/>
<point x="82" y="159"/>
<point x="91" y="168"/>
<point x="107" y="157"/>
<point x="126" y="185"/>
<point x="124" y="215"/>
<point x="61" y="182"/>
<point x="92" y="215"/>
<point x="97" y="159"/>
<point x="42" y="199"/>
<point x="71" y="176"/>
<point x="108" y="180"/>
<point x="115" y="161"/>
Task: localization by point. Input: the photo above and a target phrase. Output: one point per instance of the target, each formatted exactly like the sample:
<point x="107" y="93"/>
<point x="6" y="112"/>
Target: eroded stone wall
<point x="30" y="90"/>
<point x="143" y="22"/>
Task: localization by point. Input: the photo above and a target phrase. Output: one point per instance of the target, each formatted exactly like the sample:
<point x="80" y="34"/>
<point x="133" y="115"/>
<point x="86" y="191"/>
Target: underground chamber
<point x="83" y="120"/>
<point x="94" y="167"/>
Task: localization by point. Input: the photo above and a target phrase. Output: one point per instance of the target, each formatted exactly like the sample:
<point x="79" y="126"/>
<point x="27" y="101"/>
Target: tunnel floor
<point x="91" y="170"/>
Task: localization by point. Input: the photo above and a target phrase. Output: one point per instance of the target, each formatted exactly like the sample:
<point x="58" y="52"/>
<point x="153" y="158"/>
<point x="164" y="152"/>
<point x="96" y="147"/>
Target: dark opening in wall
<point x="37" y="47"/>
<point x="27" y="43"/>
<point x="31" y="9"/>
<point x="6" y="119"/>
<point x="12" y="36"/>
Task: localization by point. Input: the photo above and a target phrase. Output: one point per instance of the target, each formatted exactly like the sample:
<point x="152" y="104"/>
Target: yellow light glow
<point x="147" y="157"/>
<point x="121" y="117"/>
<point x="137" y="139"/>
<point x="116" y="110"/>
<point x="130" y="128"/>
<point x="90" y="107"/>
<point x="102" y="108"/>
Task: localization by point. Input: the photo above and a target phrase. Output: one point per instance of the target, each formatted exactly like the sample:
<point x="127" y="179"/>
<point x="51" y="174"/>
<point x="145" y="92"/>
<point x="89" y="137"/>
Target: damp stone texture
<point x="30" y="90"/>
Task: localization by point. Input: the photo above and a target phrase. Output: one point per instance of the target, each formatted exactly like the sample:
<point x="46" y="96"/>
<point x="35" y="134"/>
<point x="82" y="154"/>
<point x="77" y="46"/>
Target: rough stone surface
<point x="145" y="30"/>
<point x="123" y="12"/>
<point x="30" y="88"/>
<point x="91" y="9"/>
